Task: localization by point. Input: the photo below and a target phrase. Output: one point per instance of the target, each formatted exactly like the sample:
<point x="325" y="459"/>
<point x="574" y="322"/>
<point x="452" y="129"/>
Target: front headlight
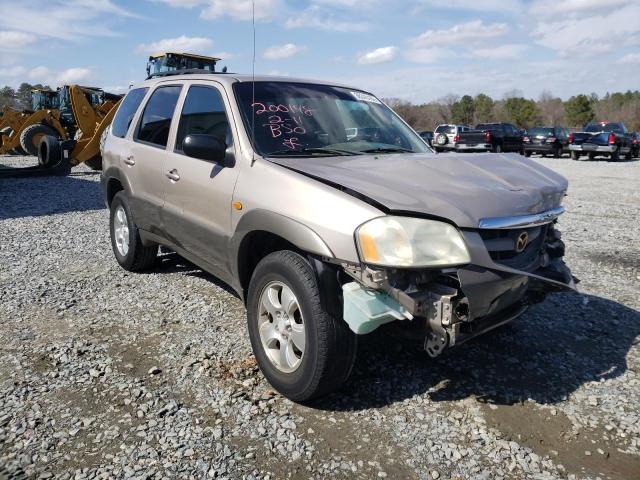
<point x="410" y="242"/>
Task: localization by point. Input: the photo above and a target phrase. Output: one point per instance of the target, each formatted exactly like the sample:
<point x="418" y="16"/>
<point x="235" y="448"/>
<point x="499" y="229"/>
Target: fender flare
<point x="285" y="227"/>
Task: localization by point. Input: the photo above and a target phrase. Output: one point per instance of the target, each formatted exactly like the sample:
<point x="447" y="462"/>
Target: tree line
<point x="19" y="98"/>
<point x="525" y="113"/>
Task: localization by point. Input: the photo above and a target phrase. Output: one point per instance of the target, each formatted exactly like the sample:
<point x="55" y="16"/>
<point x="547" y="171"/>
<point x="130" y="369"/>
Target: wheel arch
<point x="261" y="232"/>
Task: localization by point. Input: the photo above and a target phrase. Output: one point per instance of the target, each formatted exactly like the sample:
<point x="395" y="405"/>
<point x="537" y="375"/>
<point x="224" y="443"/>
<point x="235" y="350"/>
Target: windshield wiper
<point x="387" y="150"/>
<point x="303" y="151"/>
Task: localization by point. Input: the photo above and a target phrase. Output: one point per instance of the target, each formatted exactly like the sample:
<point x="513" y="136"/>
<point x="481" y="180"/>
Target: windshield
<point x="545" y="132"/>
<point x="604" y="127"/>
<point x="299" y="119"/>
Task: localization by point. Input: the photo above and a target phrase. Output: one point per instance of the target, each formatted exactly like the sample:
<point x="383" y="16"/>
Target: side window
<point x="203" y="112"/>
<point x="156" y="118"/>
<point x="126" y="111"/>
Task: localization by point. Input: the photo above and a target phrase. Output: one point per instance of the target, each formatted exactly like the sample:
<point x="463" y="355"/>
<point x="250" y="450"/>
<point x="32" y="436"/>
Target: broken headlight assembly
<point x="409" y="242"/>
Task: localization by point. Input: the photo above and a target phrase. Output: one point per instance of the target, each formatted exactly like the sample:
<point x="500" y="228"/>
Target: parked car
<point x="446" y="136"/>
<point x="546" y="141"/>
<point x="325" y="238"/>
<point x="611" y="139"/>
<point x="494" y="137"/>
<point x="427" y="135"/>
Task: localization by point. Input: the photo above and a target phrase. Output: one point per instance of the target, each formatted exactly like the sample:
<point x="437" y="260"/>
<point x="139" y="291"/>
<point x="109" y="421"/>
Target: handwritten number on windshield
<point x="287" y="123"/>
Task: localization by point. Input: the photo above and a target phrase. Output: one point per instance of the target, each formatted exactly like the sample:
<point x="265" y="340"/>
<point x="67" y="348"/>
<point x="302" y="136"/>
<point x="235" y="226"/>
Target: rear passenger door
<point x="144" y="162"/>
<point x="197" y="208"/>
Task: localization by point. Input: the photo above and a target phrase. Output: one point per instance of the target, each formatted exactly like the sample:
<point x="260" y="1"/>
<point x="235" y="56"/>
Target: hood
<point x="462" y="188"/>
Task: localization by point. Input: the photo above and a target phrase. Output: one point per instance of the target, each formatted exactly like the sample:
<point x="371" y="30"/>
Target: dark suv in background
<point x="546" y="141"/>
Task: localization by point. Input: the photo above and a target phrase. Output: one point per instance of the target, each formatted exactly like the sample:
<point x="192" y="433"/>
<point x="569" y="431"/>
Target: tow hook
<point x="442" y="330"/>
<point x="436" y="342"/>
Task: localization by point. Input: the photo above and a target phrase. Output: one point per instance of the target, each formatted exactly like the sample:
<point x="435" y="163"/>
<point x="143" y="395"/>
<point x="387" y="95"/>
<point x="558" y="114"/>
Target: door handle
<point x="173" y="175"/>
<point x="130" y="161"/>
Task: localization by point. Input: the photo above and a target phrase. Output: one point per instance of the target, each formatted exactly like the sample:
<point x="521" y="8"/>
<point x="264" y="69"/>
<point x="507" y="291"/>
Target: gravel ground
<point x="106" y="374"/>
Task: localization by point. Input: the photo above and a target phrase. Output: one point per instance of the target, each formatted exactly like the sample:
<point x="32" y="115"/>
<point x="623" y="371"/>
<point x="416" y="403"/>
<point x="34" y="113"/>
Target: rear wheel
<point x="302" y="350"/>
<point x="615" y="155"/>
<point x="31" y="136"/>
<point x="629" y="155"/>
<point x="557" y="153"/>
<point x="527" y="153"/>
<point x="592" y="156"/>
<point x="575" y="155"/>
<point x="127" y="246"/>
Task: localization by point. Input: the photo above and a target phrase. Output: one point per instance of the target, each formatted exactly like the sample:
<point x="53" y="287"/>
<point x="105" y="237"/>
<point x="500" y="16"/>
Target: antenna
<point x="253" y="84"/>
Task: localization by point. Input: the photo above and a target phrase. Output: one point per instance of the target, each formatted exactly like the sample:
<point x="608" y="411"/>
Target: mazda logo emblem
<point x="522" y="242"/>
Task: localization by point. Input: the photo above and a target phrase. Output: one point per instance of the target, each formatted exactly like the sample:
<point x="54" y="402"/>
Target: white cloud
<point x="179" y="44"/>
<point x="499" y="52"/>
<point x="62" y="19"/>
<point x="379" y="55"/>
<point x="41" y="74"/>
<point x="283" y="51"/>
<point x="74" y="75"/>
<point x="580" y="8"/>
<point x="460" y="34"/>
<point x="588" y="33"/>
<point x="630" y="58"/>
<point x="313" y="17"/>
<point x="16" y="71"/>
<point x="12" y="40"/>
<point x="236" y="9"/>
<point x="509" y="6"/>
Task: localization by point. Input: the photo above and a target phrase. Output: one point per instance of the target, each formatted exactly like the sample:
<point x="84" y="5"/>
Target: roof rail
<point x="188" y="71"/>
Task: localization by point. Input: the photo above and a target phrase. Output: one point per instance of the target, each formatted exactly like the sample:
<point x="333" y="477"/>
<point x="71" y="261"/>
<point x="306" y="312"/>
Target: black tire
<point x="527" y="153"/>
<point x="6" y="131"/>
<point x="49" y="151"/>
<point x="615" y="156"/>
<point x="592" y="156"/>
<point x="330" y="346"/>
<point x="138" y="257"/>
<point x="575" y="155"/>
<point x="628" y="155"/>
<point x="636" y="153"/>
<point x="94" y="163"/>
<point x="497" y="149"/>
<point x="31" y="136"/>
<point x="557" y="152"/>
<point x="18" y="151"/>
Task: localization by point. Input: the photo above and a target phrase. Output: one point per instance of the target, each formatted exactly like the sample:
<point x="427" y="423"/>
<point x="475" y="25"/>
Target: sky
<point x="415" y="50"/>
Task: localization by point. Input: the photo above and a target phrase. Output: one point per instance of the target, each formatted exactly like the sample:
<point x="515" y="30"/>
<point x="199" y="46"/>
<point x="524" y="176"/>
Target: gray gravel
<point x="105" y="374"/>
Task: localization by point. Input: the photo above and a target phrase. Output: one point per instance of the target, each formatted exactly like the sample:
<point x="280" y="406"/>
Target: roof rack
<point x="189" y="71"/>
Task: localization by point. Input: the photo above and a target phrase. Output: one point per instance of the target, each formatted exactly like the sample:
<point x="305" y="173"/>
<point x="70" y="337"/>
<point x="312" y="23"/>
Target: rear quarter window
<point x="126" y="112"/>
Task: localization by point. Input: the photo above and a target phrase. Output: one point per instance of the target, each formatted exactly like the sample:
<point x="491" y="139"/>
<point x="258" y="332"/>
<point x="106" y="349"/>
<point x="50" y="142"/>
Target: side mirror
<point x="204" y="147"/>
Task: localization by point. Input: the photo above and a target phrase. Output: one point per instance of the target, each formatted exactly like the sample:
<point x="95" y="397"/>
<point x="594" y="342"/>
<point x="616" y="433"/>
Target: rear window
<point x="492" y="127"/>
<point x="605" y="127"/>
<point x="126" y="111"/>
<point x="445" y="129"/>
<point x="547" y="132"/>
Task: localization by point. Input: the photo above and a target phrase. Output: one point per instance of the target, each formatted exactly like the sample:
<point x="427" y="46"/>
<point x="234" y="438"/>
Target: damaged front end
<point x="513" y="264"/>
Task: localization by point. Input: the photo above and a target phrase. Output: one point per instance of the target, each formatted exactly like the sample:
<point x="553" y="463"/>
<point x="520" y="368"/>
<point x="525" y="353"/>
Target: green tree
<point x="7" y="96"/>
<point x="484" y="108"/>
<point x="521" y="111"/>
<point x="463" y="111"/>
<point x="579" y="110"/>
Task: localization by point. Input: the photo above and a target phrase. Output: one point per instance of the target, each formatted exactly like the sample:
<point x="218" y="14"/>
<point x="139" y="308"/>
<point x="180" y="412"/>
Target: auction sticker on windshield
<point x="365" y="97"/>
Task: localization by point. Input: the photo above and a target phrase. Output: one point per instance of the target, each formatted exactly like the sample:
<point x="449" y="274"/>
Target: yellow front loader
<point x="10" y="121"/>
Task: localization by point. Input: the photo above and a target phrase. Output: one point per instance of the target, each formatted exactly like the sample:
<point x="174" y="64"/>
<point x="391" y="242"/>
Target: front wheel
<point x="302" y="350"/>
<point x="575" y="155"/>
<point x="127" y="246"/>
